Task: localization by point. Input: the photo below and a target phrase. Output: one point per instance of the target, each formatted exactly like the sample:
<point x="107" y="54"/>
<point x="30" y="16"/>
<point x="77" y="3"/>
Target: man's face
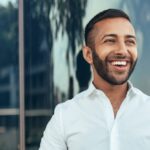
<point x="114" y="53"/>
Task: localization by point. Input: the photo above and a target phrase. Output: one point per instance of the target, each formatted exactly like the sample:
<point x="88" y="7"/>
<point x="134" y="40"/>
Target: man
<point x="111" y="114"/>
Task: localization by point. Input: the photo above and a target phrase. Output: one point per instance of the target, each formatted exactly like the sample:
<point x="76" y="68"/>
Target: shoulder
<point x="141" y="95"/>
<point x="71" y="110"/>
<point x="71" y="104"/>
<point x="74" y="108"/>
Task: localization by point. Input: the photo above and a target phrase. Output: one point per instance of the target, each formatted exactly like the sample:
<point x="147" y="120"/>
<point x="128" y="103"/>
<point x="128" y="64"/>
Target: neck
<point x="115" y="93"/>
<point x="109" y="88"/>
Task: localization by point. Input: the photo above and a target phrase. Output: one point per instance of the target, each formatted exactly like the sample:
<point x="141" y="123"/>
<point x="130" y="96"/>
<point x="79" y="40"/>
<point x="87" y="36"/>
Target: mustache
<point x="119" y="57"/>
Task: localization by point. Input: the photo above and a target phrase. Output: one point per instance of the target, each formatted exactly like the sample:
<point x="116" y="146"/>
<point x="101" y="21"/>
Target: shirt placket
<point x="112" y="122"/>
<point x="112" y="126"/>
<point x="114" y="141"/>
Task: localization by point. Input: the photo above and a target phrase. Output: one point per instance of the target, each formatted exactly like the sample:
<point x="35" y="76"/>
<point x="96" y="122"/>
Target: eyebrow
<point x="131" y="36"/>
<point x="114" y="35"/>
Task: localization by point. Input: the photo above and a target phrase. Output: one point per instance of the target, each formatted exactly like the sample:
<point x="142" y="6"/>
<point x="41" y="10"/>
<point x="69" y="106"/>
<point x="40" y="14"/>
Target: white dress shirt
<point x="87" y="123"/>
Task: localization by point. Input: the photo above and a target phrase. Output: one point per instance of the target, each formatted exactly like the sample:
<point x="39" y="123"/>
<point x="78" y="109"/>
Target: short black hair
<point x="109" y="13"/>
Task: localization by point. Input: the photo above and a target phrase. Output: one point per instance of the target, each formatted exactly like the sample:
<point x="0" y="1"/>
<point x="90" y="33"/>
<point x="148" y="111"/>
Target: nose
<point x="121" y="48"/>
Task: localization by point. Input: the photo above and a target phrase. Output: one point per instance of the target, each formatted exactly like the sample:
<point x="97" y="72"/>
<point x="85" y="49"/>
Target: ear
<point x="87" y="54"/>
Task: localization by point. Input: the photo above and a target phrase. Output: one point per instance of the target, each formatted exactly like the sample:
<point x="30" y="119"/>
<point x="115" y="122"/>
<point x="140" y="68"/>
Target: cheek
<point x="134" y="54"/>
<point x="102" y="55"/>
<point x="104" y="51"/>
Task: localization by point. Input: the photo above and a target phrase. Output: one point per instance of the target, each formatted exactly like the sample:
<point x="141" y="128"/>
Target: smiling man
<point x="111" y="114"/>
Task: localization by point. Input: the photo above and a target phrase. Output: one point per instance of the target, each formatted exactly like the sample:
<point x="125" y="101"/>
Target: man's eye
<point x="130" y="42"/>
<point x="109" y="41"/>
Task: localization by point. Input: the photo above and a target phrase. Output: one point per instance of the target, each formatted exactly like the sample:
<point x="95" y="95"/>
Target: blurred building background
<point x="54" y="69"/>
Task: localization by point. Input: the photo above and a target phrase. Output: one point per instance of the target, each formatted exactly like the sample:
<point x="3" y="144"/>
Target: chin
<point x="118" y="82"/>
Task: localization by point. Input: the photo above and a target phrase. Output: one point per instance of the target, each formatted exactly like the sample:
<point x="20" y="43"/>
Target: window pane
<point x="9" y="111"/>
<point x="38" y="95"/>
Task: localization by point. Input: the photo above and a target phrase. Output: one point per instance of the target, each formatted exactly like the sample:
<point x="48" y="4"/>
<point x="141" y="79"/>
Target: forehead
<point x="118" y="26"/>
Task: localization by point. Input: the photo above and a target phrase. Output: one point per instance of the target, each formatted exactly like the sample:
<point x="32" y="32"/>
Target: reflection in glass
<point x="41" y="93"/>
<point x="9" y="76"/>
<point x="37" y="70"/>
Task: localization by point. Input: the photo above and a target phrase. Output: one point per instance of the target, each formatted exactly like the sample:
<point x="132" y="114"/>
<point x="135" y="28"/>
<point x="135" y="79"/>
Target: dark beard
<point x="102" y="70"/>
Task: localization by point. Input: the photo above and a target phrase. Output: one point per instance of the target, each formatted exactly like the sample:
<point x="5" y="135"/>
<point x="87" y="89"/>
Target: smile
<point x="119" y="63"/>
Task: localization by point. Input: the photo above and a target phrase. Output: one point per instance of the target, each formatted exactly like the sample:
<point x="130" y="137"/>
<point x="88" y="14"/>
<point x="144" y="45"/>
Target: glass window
<point x="9" y="111"/>
<point x="38" y="72"/>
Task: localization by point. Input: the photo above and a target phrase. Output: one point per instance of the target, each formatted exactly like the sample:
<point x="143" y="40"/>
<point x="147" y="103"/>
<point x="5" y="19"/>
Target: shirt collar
<point x="92" y="89"/>
<point x="132" y="90"/>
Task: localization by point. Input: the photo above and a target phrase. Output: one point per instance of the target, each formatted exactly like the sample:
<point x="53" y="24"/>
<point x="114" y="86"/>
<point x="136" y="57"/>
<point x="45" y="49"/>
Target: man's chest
<point x="126" y="132"/>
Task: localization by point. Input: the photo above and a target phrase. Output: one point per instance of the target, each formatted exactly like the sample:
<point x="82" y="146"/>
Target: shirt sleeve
<point x="53" y="138"/>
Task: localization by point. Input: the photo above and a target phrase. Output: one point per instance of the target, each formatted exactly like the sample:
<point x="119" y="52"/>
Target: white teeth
<point x="121" y="63"/>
